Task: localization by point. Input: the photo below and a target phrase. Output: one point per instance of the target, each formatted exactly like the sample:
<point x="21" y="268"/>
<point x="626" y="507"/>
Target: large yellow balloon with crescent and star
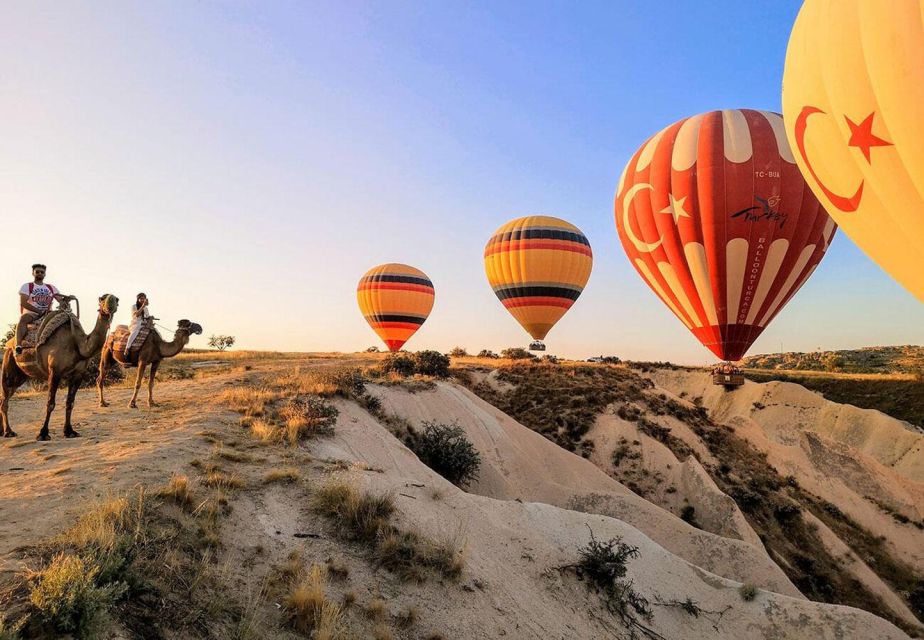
<point x="853" y="106"/>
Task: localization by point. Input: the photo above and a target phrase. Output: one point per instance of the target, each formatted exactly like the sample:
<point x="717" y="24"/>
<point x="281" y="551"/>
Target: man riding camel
<point x="140" y="314"/>
<point x="35" y="300"/>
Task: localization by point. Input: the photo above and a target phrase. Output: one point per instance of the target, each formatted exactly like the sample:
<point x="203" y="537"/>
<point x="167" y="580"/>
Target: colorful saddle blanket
<point x="37" y="333"/>
<point x="119" y="338"/>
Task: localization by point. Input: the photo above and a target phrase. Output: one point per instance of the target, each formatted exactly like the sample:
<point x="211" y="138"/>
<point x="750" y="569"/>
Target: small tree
<point x="487" y="353"/>
<point x="445" y="449"/>
<point x="221" y="342"/>
<point x="458" y="352"/>
<point x="372" y="349"/>
<point x="431" y="363"/>
<point x="517" y="353"/>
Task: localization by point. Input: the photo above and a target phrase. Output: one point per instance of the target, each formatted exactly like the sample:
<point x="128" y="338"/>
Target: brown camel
<point x="62" y="357"/>
<point x="152" y="350"/>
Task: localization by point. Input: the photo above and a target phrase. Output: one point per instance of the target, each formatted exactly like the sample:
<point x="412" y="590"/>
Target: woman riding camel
<point x="140" y="314"/>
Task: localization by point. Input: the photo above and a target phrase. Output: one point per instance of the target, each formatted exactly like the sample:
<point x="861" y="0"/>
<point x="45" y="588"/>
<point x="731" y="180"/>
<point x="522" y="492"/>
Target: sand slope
<point x="518" y="463"/>
<point x="510" y="587"/>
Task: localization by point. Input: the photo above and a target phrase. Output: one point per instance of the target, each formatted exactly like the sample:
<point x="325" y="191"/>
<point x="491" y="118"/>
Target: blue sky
<point x="245" y="163"/>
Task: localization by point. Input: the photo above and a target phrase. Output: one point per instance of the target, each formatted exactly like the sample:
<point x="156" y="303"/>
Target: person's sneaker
<point x="18" y="350"/>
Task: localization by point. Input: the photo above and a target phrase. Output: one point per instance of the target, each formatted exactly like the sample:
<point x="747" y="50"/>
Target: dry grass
<point x="382" y="632"/>
<point x="248" y="400"/>
<point x="377" y="609"/>
<point x="308" y="609"/>
<point x="218" y="479"/>
<point x="229" y="454"/>
<point x="178" y="490"/>
<point x="265" y="431"/>
<point x="286" y="475"/>
<point x="365" y="517"/>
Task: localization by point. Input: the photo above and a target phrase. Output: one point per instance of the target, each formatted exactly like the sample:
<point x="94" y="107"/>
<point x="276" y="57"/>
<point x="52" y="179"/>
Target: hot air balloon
<point x="395" y="299"/>
<point x="853" y="96"/>
<point x="538" y="266"/>
<point x="714" y="215"/>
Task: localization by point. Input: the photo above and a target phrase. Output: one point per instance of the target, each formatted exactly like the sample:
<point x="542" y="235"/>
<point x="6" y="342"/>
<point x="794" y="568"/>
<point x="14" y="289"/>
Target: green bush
<point x="517" y="353"/>
<point x="401" y="364"/>
<point x="604" y="565"/>
<point x="431" y="363"/>
<point x="747" y="592"/>
<point x="66" y="595"/>
<point x="458" y="352"/>
<point x="445" y="449"/>
<point x="487" y="353"/>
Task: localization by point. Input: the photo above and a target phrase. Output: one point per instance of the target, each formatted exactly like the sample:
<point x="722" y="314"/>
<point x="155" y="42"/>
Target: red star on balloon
<point x="861" y="136"/>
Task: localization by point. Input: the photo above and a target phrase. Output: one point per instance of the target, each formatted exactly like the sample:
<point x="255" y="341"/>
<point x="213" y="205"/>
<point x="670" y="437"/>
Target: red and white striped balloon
<point x="715" y="216"/>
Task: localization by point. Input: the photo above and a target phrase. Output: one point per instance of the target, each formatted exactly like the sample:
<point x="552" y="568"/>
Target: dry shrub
<point x="307" y="416"/>
<point x="217" y="479"/>
<point x="177" y="491"/>
<point x="347" y="382"/>
<point x="286" y="475"/>
<point x="365" y="517"/>
<point x="250" y="401"/>
<point x="308" y="609"/>
<point x="265" y="431"/>
<point x="377" y="609"/>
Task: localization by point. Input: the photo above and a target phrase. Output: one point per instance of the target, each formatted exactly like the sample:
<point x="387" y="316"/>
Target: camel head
<point x="189" y="327"/>
<point x="108" y="304"/>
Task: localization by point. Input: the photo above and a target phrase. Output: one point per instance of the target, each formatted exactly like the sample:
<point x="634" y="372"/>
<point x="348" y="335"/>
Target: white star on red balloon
<point x="675" y="208"/>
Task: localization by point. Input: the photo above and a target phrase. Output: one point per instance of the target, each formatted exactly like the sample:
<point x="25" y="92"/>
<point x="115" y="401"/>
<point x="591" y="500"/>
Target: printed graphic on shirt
<point x="40" y="295"/>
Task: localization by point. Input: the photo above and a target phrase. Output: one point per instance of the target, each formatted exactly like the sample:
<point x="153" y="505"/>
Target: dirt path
<point x="45" y="484"/>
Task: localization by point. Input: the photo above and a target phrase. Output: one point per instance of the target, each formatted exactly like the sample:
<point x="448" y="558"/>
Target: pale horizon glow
<point x="245" y="163"/>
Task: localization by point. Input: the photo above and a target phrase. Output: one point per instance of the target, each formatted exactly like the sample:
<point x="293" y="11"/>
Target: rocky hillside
<point x="907" y="359"/>
<point x="278" y="497"/>
<point x="832" y="494"/>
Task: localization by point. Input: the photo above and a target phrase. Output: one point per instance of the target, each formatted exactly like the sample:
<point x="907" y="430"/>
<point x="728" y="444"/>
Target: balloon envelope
<point x="715" y="216"/>
<point x="538" y="266"/>
<point x="853" y="97"/>
<point x="395" y="299"/>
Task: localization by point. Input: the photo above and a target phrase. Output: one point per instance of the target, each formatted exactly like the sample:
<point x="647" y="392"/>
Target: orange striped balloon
<point x="538" y="266"/>
<point x="395" y="299"/>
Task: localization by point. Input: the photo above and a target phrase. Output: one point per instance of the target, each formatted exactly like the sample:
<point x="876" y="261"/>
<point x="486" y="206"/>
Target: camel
<point x="62" y="357"/>
<point x="152" y="350"/>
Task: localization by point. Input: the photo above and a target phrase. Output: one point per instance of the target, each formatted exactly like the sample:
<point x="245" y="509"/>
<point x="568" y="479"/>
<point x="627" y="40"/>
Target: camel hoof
<point x="42" y="436"/>
<point x="103" y="405"/>
<point x="9" y="434"/>
<point x="71" y="434"/>
<point x="132" y="405"/>
<point x="151" y="405"/>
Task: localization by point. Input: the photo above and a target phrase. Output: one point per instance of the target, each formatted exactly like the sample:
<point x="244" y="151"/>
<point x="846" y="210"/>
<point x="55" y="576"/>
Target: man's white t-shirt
<point x="137" y="320"/>
<point x="40" y="295"/>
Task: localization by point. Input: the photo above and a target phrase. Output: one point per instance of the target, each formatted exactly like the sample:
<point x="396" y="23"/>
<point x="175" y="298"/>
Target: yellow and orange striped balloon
<point x="395" y="299"/>
<point x="538" y="266"/>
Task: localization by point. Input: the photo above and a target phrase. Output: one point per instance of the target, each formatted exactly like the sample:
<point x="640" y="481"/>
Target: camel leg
<point x="105" y="361"/>
<point x="141" y="367"/>
<point x="11" y="378"/>
<point x="54" y="381"/>
<point x="153" y="373"/>
<point x="6" y="392"/>
<point x="72" y="389"/>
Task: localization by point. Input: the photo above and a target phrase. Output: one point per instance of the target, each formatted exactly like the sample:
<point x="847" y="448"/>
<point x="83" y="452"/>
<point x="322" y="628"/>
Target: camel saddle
<point x="119" y="338"/>
<point x="37" y="333"/>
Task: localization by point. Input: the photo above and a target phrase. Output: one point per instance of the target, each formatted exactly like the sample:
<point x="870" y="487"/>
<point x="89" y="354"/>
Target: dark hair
<point x="38" y="265"/>
<point x="138" y="297"/>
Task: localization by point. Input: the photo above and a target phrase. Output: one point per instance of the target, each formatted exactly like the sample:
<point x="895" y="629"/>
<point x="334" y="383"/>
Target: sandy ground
<point x="510" y="587"/>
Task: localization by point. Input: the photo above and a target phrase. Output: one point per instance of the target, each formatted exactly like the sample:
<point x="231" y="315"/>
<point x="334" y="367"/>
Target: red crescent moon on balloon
<point x="841" y="202"/>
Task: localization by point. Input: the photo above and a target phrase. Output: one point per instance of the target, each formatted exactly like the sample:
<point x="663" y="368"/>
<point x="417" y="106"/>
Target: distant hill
<point x="894" y="359"/>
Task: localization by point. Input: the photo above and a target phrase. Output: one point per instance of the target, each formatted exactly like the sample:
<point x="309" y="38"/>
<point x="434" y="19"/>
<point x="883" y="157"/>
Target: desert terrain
<point x="284" y="496"/>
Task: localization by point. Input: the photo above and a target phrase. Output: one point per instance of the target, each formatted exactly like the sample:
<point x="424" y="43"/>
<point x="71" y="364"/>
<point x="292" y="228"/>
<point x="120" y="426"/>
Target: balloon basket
<point x="537" y="346"/>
